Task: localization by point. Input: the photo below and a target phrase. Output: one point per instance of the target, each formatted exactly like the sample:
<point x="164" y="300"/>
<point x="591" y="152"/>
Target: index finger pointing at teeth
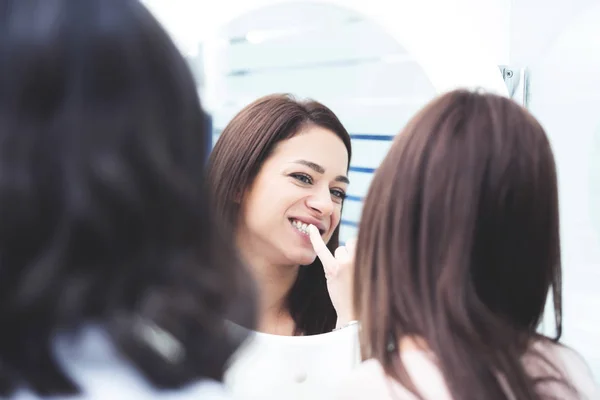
<point x="327" y="259"/>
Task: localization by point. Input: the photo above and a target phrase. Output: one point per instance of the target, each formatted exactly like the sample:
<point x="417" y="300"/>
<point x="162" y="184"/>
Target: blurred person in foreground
<point x="115" y="282"/>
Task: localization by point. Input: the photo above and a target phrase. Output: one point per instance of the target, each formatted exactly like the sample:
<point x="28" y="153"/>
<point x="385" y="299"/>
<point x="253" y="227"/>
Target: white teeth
<point x="302" y="227"/>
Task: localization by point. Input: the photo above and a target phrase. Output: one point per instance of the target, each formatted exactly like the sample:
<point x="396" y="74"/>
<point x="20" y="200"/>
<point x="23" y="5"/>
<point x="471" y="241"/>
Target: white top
<point x="94" y="364"/>
<point x="368" y="381"/>
<point x="272" y="367"/>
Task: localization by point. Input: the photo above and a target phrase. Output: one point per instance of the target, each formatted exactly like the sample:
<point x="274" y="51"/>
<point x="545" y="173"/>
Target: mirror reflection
<point x="374" y="86"/>
<point x="346" y="61"/>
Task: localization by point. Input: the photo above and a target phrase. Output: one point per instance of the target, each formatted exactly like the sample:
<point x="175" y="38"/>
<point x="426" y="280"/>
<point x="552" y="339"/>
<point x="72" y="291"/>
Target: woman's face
<point x="304" y="181"/>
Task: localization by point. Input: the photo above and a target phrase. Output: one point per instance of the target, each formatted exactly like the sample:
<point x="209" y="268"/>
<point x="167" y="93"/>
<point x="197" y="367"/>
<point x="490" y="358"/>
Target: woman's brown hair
<point x="241" y="150"/>
<point x="459" y="245"/>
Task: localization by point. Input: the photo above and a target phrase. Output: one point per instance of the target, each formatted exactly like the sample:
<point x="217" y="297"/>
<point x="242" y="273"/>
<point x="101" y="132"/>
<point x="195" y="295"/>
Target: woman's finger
<point x="342" y="255"/>
<point x="327" y="259"/>
<point x="351" y="248"/>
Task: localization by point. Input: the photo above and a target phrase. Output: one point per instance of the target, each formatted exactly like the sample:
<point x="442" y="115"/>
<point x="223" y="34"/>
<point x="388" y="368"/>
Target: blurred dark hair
<point x="459" y="245"/>
<point x="240" y="152"/>
<point x="103" y="209"/>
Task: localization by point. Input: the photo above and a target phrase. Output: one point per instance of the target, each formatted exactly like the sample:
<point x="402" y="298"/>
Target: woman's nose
<point x="321" y="202"/>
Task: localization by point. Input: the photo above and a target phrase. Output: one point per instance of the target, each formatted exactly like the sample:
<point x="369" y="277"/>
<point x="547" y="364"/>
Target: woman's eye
<point x="339" y="194"/>
<point x="303" y="178"/>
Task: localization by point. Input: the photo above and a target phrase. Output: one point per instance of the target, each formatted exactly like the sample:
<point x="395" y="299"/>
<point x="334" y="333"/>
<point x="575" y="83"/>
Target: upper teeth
<point x="302" y="227"/>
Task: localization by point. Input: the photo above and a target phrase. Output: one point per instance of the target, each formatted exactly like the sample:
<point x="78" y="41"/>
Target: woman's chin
<point x="303" y="259"/>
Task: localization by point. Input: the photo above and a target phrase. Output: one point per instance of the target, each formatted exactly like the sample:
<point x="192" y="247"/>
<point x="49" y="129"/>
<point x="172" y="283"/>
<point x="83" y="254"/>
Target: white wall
<point x="559" y="42"/>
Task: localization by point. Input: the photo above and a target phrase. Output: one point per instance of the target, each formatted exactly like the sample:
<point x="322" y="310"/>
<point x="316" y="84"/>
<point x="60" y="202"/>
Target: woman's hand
<point x="339" y="272"/>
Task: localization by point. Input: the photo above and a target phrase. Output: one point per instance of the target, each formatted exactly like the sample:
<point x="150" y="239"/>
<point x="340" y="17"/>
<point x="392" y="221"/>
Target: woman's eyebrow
<point x="319" y="169"/>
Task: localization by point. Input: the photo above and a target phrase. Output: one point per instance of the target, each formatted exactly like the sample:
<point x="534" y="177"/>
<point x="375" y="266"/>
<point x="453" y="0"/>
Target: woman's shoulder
<point x="300" y="366"/>
<point x="369" y="380"/>
<point x="339" y="347"/>
<point x="572" y="366"/>
<point x="206" y="390"/>
<point x="92" y="361"/>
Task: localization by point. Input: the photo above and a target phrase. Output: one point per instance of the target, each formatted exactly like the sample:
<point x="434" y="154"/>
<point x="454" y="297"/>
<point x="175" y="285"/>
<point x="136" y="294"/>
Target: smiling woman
<point x="278" y="167"/>
<point x="279" y="179"/>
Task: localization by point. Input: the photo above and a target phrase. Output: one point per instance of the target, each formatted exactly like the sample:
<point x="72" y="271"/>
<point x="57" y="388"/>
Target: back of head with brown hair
<point x="459" y="244"/>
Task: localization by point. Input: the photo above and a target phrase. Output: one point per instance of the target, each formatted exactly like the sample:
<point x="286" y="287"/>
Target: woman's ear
<point x="239" y="196"/>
